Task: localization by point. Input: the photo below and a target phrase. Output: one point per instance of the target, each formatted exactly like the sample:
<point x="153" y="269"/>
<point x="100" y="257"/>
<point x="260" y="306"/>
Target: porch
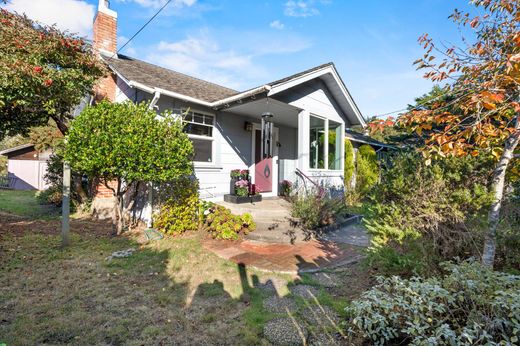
<point x="283" y="140"/>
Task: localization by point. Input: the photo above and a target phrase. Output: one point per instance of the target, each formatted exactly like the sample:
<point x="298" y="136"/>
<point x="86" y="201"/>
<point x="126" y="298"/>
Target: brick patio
<point x="301" y="257"/>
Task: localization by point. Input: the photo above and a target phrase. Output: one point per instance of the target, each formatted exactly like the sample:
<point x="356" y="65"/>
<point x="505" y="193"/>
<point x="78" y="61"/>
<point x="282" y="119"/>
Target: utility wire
<point x="142" y="27"/>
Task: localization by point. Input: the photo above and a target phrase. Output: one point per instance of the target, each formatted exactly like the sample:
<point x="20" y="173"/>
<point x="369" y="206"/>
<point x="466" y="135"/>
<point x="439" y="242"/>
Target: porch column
<point x="303" y="140"/>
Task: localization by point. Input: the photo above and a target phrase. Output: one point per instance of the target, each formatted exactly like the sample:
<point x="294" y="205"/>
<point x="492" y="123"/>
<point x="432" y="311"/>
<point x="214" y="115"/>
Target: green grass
<point x="24" y="203"/>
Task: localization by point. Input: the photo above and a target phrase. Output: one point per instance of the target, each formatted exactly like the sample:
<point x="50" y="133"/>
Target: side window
<point x="199" y="127"/>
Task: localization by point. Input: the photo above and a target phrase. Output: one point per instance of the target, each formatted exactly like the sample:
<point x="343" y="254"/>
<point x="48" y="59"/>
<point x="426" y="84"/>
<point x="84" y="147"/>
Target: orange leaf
<point x="489" y="106"/>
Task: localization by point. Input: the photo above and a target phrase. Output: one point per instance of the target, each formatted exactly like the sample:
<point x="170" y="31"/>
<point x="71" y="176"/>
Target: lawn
<point x="24" y="203"/>
<point x="171" y="291"/>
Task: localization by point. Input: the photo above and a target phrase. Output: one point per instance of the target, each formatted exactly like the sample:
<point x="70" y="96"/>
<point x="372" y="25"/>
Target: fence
<point x="4" y="182"/>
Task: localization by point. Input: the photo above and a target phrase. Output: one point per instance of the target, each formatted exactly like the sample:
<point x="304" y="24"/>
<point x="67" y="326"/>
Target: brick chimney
<point x="105" y="44"/>
<point x="105" y="29"/>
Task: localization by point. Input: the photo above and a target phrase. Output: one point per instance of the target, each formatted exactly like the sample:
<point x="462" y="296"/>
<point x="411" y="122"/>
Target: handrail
<point x="320" y="188"/>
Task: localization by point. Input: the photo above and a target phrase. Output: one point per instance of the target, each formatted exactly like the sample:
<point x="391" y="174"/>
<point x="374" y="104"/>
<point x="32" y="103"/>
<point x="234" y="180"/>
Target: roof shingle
<point x="159" y="77"/>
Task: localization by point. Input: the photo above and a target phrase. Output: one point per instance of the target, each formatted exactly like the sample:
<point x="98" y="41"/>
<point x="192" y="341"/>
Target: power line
<point x="142" y="27"/>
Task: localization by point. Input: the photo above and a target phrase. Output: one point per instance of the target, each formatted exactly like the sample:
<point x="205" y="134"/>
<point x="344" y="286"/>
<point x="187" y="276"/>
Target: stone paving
<point x="279" y="245"/>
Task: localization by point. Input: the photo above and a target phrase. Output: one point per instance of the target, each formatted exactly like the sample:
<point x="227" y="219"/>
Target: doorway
<point x="264" y="167"/>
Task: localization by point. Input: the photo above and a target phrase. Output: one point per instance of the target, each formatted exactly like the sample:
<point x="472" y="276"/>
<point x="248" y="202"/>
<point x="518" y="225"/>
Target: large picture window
<point x="199" y="127"/>
<point x="325" y="144"/>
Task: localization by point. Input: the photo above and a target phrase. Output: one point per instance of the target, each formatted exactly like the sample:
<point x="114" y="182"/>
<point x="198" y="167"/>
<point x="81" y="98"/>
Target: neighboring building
<point x="26" y="167"/>
<point x="358" y="139"/>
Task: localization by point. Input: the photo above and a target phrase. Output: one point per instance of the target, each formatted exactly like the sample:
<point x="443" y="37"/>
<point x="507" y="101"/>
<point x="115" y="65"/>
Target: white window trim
<point x="326" y="145"/>
<point x="204" y="164"/>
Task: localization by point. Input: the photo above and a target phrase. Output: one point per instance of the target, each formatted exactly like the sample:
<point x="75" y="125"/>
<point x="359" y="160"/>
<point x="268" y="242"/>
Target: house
<point x="294" y="123"/>
<point x="26" y="167"/>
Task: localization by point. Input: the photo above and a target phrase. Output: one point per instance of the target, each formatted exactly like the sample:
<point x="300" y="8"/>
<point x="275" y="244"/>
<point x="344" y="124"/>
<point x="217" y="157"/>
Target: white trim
<point x="271" y="90"/>
<point x="313" y="75"/>
<point x="275" y="179"/>
<point x="19" y="147"/>
<point x="213" y="162"/>
<point x="242" y="95"/>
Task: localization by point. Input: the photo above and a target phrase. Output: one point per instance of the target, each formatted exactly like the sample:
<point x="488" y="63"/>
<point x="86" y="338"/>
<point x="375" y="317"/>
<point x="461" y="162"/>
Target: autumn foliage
<point x="44" y="73"/>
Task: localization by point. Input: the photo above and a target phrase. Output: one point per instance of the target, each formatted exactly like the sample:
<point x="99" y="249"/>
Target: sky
<point x="245" y="43"/>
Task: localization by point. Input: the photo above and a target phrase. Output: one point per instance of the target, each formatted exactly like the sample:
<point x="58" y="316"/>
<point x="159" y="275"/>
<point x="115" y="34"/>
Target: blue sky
<point x="245" y="43"/>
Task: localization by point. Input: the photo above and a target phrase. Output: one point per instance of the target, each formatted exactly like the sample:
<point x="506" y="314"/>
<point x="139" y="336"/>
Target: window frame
<point x="212" y="163"/>
<point x="326" y="145"/>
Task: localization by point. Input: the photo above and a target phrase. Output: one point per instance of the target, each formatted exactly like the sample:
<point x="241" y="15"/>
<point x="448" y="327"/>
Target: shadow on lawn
<point x="133" y="299"/>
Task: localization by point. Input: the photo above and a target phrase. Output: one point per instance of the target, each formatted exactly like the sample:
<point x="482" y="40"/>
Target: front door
<point x="265" y="155"/>
<point x="263" y="166"/>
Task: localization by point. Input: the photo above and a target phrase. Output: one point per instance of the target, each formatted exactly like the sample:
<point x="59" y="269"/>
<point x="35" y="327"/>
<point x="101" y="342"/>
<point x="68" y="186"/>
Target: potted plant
<point x="286" y="188"/>
<point x="242" y="188"/>
<point x="235" y="176"/>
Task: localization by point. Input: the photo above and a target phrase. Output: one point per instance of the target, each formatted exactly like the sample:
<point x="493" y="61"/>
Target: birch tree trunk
<point x="498" y="185"/>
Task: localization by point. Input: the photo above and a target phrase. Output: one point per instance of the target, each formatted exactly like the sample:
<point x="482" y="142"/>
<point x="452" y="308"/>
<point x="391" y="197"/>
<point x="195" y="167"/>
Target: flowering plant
<point x="235" y="173"/>
<point x="242" y="187"/>
<point x="242" y="183"/>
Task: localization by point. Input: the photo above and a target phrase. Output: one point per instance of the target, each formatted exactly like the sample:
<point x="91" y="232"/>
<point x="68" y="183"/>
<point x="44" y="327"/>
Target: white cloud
<point x="129" y="48"/>
<point x="276" y="24"/>
<point x="301" y="8"/>
<point x="202" y="55"/>
<point x="72" y="15"/>
<point x="156" y="4"/>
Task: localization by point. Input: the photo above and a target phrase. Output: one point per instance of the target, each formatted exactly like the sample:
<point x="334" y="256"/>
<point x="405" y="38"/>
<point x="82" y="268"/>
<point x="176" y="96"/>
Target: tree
<point x="479" y="111"/>
<point x="123" y="144"/>
<point x="44" y="74"/>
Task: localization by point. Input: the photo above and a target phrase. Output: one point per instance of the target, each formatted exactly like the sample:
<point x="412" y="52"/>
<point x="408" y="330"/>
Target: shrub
<point x="179" y="210"/>
<point x="222" y="224"/>
<point x="316" y="211"/>
<point x="367" y="169"/>
<point x="52" y="195"/>
<point x="426" y="213"/>
<point x="350" y="166"/>
<point x="471" y="305"/>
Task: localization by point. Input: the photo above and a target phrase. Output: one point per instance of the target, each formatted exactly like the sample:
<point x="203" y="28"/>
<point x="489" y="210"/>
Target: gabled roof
<point x="155" y="76"/>
<point x="19" y="147"/>
<point x="153" y="79"/>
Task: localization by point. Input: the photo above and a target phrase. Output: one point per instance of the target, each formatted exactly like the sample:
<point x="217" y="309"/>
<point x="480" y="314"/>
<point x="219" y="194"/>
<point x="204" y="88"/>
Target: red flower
<point x="48" y="82"/>
<point x="37" y="69"/>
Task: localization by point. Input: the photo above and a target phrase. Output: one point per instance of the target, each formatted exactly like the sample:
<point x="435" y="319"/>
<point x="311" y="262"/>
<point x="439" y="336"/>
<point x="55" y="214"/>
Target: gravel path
<point x="280" y="305"/>
<point x="285" y="331"/>
<point x="305" y="291"/>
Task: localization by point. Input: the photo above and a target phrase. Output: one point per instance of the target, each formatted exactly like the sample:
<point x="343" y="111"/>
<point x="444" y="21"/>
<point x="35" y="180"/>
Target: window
<point x="317" y="143"/>
<point x="325" y="144"/>
<point x="334" y="145"/>
<point x="199" y="127"/>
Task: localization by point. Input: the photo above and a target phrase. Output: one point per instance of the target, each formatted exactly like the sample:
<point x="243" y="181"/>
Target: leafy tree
<point x="44" y="74"/>
<point x="481" y="115"/>
<point x="125" y="143"/>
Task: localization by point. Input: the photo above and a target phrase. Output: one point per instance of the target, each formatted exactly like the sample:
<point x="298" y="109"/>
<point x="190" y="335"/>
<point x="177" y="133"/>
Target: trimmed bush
<point x="471" y="305"/>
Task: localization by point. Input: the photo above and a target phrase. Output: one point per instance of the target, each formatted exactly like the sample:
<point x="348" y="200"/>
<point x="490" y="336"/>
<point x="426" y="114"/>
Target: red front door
<point x="263" y="167"/>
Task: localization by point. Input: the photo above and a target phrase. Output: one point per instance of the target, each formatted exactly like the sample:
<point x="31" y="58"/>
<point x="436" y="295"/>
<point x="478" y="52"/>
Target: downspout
<point x="149" y="224"/>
